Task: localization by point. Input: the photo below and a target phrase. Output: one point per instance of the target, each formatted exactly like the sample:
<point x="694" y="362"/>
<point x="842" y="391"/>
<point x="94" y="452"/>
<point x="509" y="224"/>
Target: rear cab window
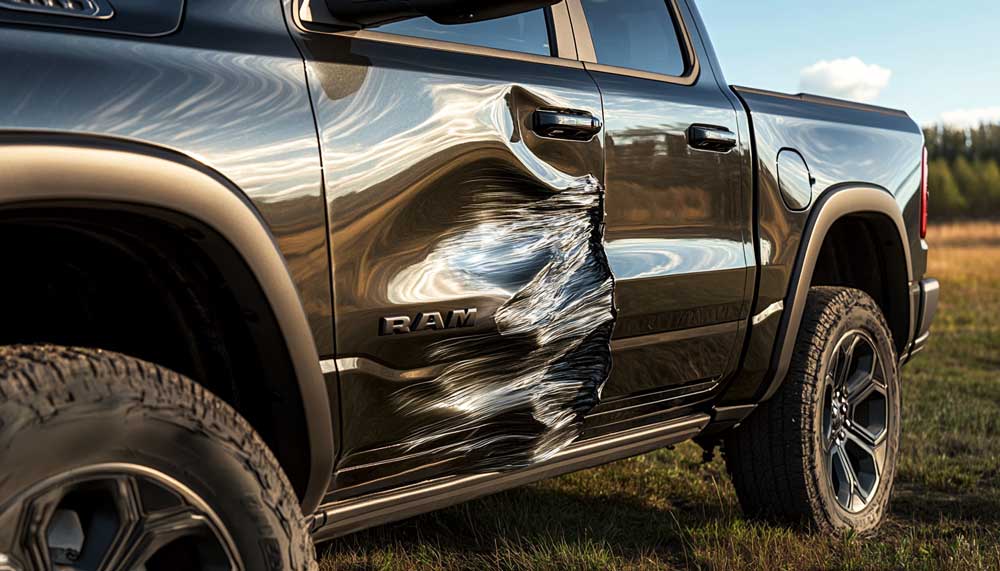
<point x="637" y="34"/>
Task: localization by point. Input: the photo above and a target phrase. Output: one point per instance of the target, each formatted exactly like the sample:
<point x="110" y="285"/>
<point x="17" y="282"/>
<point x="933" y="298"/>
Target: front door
<point x="464" y="170"/>
<point x="678" y="214"/>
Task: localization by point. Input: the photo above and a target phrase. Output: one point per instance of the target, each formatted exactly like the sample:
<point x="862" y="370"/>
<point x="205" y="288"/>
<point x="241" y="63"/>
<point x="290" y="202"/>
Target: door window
<point x="527" y="32"/>
<point x="638" y="34"/>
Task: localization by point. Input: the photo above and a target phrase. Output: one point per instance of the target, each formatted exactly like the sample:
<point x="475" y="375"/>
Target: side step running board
<point x="350" y="515"/>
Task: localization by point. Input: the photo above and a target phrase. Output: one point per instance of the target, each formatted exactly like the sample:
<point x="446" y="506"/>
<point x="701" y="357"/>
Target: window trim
<point x="588" y="54"/>
<point x="311" y="16"/>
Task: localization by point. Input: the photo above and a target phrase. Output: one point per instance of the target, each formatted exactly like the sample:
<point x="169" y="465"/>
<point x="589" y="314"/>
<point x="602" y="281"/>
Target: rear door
<point x="463" y="171"/>
<point x="678" y="214"/>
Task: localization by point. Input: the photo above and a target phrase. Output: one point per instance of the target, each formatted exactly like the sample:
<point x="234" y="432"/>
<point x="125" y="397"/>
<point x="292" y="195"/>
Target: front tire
<point x="823" y="449"/>
<point x="109" y="462"/>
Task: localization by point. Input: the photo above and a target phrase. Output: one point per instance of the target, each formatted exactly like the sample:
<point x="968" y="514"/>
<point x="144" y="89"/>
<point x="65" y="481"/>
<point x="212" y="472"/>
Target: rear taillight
<point x="923" y="195"/>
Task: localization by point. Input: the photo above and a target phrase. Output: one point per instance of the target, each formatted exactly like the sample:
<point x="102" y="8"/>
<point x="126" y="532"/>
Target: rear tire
<point x="822" y="451"/>
<point x="108" y="458"/>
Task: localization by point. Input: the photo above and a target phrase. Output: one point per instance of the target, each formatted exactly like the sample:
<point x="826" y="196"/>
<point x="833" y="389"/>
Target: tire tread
<point x="770" y="455"/>
<point x="48" y="379"/>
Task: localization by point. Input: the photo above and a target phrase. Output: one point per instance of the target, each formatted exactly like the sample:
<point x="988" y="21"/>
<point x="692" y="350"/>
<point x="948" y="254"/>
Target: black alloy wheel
<point x="855" y="421"/>
<point x="823" y="450"/>
<point x="119" y="516"/>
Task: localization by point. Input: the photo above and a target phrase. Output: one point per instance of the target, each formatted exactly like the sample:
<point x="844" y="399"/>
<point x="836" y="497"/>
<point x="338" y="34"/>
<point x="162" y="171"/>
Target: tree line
<point x="964" y="177"/>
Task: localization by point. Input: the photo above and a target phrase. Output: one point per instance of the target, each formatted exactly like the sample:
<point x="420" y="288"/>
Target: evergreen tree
<point x="985" y="142"/>
<point x="945" y="201"/>
<point x="968" y="182"/>
<point x="965" y="171"/>
<point x="989" y="188"/>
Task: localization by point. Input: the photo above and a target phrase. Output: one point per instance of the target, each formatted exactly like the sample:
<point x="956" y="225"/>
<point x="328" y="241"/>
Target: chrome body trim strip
<point x="770" y="310"/>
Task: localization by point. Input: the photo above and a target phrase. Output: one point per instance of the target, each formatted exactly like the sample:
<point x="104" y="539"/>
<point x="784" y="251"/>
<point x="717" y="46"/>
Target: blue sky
<point x="937" y="60"/>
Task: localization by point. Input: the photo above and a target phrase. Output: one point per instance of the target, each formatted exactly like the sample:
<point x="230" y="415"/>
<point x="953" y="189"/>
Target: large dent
<point x="450" y="202"/>
<point x="521" y="397"/>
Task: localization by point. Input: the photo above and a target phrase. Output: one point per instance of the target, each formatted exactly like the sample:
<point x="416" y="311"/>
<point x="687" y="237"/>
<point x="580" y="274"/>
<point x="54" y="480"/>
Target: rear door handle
<point x="709" y="138"/>
<point x="565" y="124"/>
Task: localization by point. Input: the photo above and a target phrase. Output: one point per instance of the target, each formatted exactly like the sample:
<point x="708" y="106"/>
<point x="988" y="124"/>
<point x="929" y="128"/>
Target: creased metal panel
<point x="522" y="397"/>
<point x="443" y="199"/>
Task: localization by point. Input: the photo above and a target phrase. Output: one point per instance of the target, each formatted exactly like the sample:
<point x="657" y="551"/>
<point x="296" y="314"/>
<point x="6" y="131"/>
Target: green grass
<point x="667" y="510"/>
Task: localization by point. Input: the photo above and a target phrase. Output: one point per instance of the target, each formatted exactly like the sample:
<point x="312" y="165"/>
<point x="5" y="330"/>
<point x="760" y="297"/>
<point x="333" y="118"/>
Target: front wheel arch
<point x="47" y="170"/>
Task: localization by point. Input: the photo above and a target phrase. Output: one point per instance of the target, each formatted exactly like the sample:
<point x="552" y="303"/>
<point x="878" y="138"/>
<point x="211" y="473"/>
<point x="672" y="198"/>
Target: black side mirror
<point x="368" y="13"/>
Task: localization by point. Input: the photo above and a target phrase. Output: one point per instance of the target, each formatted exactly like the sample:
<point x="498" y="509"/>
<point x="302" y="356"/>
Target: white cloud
<point x="966" y="118"/>
<point x="848" y="78"/>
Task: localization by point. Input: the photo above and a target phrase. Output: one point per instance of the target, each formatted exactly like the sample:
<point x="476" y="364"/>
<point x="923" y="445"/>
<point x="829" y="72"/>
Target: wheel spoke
<point x="143" y="533"/>
<point x="859" y="498"/>
<point x="870" y="455"/>
<point x="846" y="481"/>
<point x="128" y="502"/>
<point x="873" y="446"/>
<point x="862" y="439"/>
<point x="32" y="547"/>
<point x="844" y="362"/>
<point x="828" y="414"/>
<point x="838" y="367"/>
<point x="858" y="386"/>
<point x="867" y="400"/>
<point x="161" y="528"/>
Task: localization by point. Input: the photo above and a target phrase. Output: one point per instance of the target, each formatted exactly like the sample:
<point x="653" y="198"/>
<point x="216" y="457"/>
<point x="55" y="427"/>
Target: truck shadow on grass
<point x="544" y="523"/>
<point x="533" y="520"/>
<point x="931" y="507"/>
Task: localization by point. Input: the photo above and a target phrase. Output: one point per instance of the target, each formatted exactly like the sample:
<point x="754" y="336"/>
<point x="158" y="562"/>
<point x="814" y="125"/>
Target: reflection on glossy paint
<point x="841" y="145"/>
<point x="441" y="196"/>
<point x="444" y="116"/>
<point x="678" y="231"/>
<point x="638" y="258"/>
<point x="522" y="397"/>
<point x="765" y="251"/>
<point x="228" y="89"/>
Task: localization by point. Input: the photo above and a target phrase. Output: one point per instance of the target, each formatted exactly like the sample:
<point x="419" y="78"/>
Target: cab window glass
<point x="527" y="32"/>
<point x="638" y="34"/>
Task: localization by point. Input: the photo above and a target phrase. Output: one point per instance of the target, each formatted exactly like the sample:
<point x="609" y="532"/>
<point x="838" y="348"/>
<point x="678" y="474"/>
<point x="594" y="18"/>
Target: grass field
<point x="666" y="510"/>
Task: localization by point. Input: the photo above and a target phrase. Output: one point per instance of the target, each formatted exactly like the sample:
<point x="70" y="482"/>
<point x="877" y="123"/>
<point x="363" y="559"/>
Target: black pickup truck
<point x="276" y="271"/>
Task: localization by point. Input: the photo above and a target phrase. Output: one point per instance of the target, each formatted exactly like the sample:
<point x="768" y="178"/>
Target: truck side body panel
<point x="842" y="144"/>
<point x="679" y="232"/>
<point x="227" y="89"/>
<point x="473" y="298"/>
<point x="490" y="302"/>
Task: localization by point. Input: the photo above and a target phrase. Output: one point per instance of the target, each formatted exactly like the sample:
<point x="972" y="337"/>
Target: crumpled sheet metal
<point x="520" y="400"/>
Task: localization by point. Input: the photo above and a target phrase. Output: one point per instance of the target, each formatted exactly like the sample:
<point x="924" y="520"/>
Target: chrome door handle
<point x="709" y="138"/>
<point x="565" y="124"/>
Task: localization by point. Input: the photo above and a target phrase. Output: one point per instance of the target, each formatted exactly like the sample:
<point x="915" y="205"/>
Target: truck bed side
<point x="843" y="144"/>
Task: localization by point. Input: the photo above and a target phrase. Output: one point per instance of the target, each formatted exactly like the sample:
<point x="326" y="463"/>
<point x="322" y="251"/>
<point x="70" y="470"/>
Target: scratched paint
<point x="522" y="398"/>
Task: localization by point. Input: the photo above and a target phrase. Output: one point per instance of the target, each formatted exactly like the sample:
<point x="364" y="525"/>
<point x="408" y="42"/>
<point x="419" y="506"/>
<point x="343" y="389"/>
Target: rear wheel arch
<point x="73" y="181"/>
<point x="865" y="251"/>
<point x="874" y="209"/>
